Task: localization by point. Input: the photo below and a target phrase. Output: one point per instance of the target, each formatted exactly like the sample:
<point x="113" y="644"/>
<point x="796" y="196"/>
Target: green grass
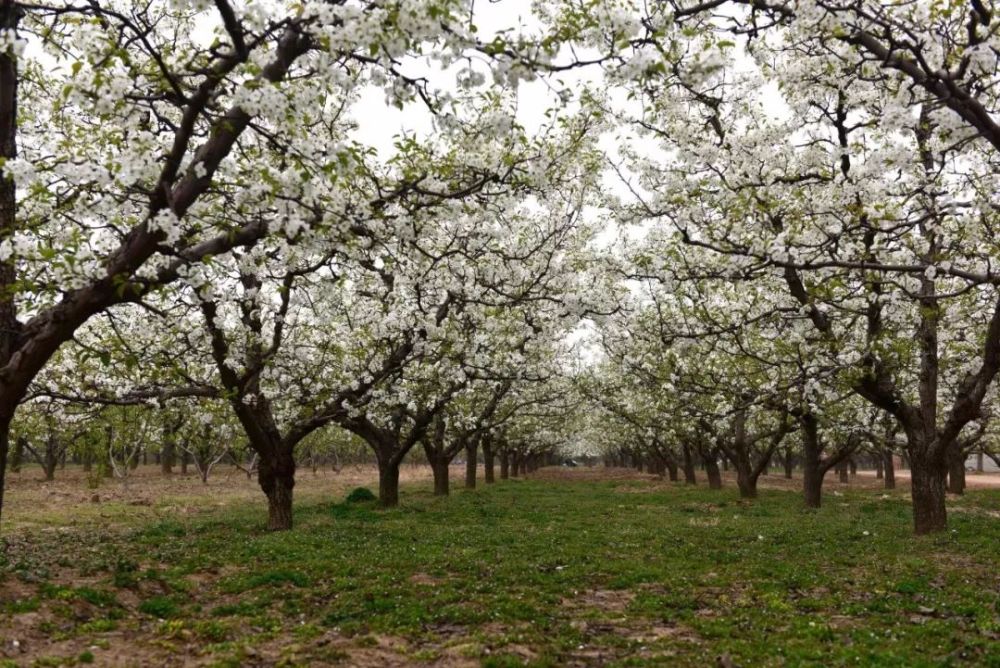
<point x="544" y="573"/>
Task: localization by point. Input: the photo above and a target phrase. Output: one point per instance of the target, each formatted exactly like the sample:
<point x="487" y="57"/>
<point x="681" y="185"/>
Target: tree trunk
<point x="471" y="454"/>
<point x="168" y="455"/>
<point x="812" y="483"/>
<point x="842" y="471"/>
<point x="890" y="469"/>
<point x="49" y="463"/>
<point x="388" y="483"/>
<point x="515" y="465"/>
<point x="523" y="461"/>
<point x="879" y="469"/>
<point x="745" y="481"/>
<point x="812" y="465"/>
<point x="789" y="464"/>
<point x="10" y="14"/>
<point x="672" y="470"/>
<point x="4" y="449"/>
<point x="689" y="476"/>
<point x="17" y="457"/>
<point x="276" y="476"/>
<point x="956" y="471"/>
<point x="852" y="465"/>
<point x="927" y="488"/>
<point x="185" y="460"/>
<point x="504" y="465"/>
<point x="489" y="457"/>
<point x="979" y="462"/>
<point x="439" y="465"/>
<point x="713" y="473"/>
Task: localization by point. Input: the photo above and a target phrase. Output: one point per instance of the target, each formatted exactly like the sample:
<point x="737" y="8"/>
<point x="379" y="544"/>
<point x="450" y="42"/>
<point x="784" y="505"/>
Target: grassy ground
<point x="568" y="568"/>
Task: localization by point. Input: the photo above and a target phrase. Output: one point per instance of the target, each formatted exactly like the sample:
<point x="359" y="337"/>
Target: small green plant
<point x="160" y="607"/>
<point x="360" y="495"/>
<point x="86" y="656"/>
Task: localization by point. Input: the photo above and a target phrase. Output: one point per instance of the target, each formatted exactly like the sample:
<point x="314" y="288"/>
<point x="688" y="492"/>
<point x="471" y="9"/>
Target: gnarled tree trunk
<point x="276" y="477"/>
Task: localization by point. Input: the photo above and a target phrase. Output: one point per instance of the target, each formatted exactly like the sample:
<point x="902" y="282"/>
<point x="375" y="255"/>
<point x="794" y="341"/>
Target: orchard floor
<point x="570" y="567"/>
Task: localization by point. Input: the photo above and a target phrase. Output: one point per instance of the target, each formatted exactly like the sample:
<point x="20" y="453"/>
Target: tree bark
<point x="504" y="465"/>
<point x="812" y="486"/>
<point x="388" y="483"/>
<point x="890" y="469"/>
<point x="689" y="476"/>
<point x="746" y="482"/>
<point x="440" y="468"/>
<point x="489" y="463"/>
<point x="17" y="457"/>
<point x="49" y="462"/>
<point x="928" y="493"/>
<point x="672" y="470"/>
<point x="515" y="465"/>
<point x="276" y="476"/>
<point x="712" y="472"/>
<point x="10" y="15"/>
<point x="789" y="464"/>
<point x="842" y="471"/>
<point x="956" y="471"/>
<point x="168" y="455"/>
<point x="471" y="454"/>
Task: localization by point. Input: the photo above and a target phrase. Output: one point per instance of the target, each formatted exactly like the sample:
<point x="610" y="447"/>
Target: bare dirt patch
<point x="70" y="499"/>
